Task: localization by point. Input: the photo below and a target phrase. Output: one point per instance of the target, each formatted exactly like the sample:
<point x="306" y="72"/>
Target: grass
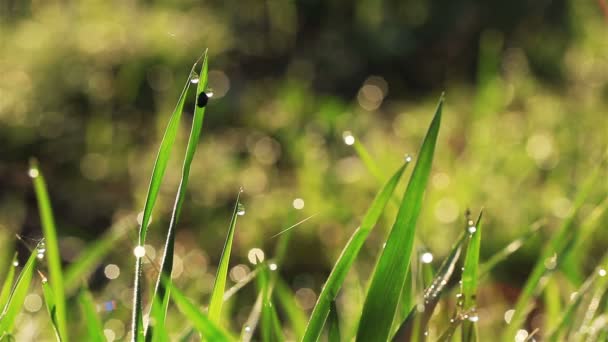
<point x="392" y="307"/>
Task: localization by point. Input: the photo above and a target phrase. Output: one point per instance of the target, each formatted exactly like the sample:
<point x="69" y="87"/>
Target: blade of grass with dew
<point x="17" y="297"/>
<point x="252" y="320"/>
<point x="286" y="300"/>
<point x="93" y="253"/>
<point x="201" y="322"/>
<point x="158" y="172"/>
<point x="270" y="325"/>
<point x="469" y="283"/>
<point x="52" y="254"/>
<point x="215" y="305"/>
<point x="8" y="282"/>
<point x="552" y="303"/>
<point x="349" y="254"/>
<point x="91" y="318"/>
<point x="161" y="294"/>
<point x="49" y="300"/>
<point x="333" y="323"/>
<point x="389" y="275"/>
<point x="432" y="294"/>
<point x="554" y="247"/>
<point x="596" y="299"/>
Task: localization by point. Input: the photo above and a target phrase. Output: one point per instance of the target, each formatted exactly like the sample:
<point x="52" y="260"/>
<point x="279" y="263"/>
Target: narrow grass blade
<point x="252" y="320"/>
<point x="554" y="248"/>
<point x="333" y="324"/>
<point x="432" y="294"/>
<point x="294" y="314"/>
<point x="469" y="283"/>
<point x="552" y="303"/>
<point x="270" y="325"/>
<point x="208" y="329"/>
<point x="52" y="254"/>
<point x="17" y="298"/>
<point x="368" y="161"/>
<point x="601" y="285"/>
<point x="49" y="300"/>
<point x="349" y="254"/>
<point x="161" y="295"/>
<point x="389" y="276"/>
<point x="92" y="255"/>
<point x="8" y="282"/>
<point x="215" y="306"/>
<point x="158" y="172"/>
<point x="91" y="318"/>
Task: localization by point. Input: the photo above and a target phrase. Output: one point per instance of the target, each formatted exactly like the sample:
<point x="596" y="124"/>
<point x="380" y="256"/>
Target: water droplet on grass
<point x="273" y="267"/>
<point x="240" y="209"/>
<point x="509" y="315"/>
<point x="407" y="158"/>
<point x="15" y="263"/>
<point x="602" y="272"/>
<point x="194" y="78"/>
<point x="348" y="138"/>
<point x="426" y="258"/>
<point x="472" y="229"/>
<point x="33" y="173"/>
<point x="139" y="251"/>
<point x="247" y="328"/>
<point x="474" y="318"/>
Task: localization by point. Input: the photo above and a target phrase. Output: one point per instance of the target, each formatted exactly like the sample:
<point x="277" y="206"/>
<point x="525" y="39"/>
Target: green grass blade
<point x="161" y="294"/>
<point x="17" y="297"/>
<point x="368" y="161"/>
<point x="8" y="282"/>
<point x="389" y="276"/>
<point x="469" y="283"/>
<point x="91" y="318"/>
<point x="554" y="247"/>
<point x="270" y="325"/>
<point x="158" y="172"/>
<point x="349" y="254"/>
<point x="49" y="300"/>
<point x="92" y="255"/>
<point x="215" y="306"/>
<point x="333" y="324"/>
<point x="52" y="254"/>
<point x="294" y="314"/>
<point x="432" y="294"/>
<point x="208" y="329"/>
<point x="252" y="320"/>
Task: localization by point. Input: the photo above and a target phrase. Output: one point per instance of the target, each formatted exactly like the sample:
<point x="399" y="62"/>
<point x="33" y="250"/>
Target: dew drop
<point x="474" y="318"/>
<point x="40" y="256"/>
<point x="247" y="328"/>
<point x="194" y="78"/>
<point x="602" y="272"/>
<point x="273" y="267"/>
<point x="472" y="229"/>
<point x="41" y="248"/>
<point x="209" y="93"/>
<point x="33" y="173"/>
<point x="426" y="258"/>
<point x="240" y="209"/>
<point x="348" y="137"/>
<point x="407" y="158"/>
<point x="509" y="315"/>
<point x="139" y="251"/>
<point x="15" y="263"/>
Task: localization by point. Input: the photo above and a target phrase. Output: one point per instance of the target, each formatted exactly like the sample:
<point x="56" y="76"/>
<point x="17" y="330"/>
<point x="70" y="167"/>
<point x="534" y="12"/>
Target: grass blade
<point x="208" y="329"/>
<point x="49" y="300"/>
<point x="469" y="282"/>
<point x="52" y="248"/>
<point x="554" y="247"/>
<point x="158" y="172"/>
<point x="294" y="314"/>
<point x="8" y="282"/>
<point x="215" y="306"/>
<point x="16" y="299"/>
<point x="333" y="324"/>
<point x="91" y="318"/>
<point x="161" y="294"/>
<point x="92" y="255"/>
<point x="270" y="327"/>
<point x="389" y="276"/>
<point x="349" y="254"/>
<point x="252" y="320"/>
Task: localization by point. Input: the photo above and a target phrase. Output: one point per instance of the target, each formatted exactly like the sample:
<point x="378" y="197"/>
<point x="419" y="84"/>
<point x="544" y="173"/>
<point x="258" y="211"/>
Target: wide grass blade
<point x="215" y="306"/>
<point x="17" y="297"/>
<point x="349" y="254"/>
<point x="92" y="255"/>
<point x="8" y="282"/>
<point x="554" y="249"/>
<point x="389" y="276"/>
<point x="294" y="314"/>
<point x="333" y="324"/>
<point x="161" y="294"/>
<point x="90" y="316"/>
<point x="158" y="172"/>
<point x="52" y="254"/>
<point x="432" y="294"/>
<point x="49" y="300"/>
<point x="208" y="329"/>
<point x="469" y="283"/>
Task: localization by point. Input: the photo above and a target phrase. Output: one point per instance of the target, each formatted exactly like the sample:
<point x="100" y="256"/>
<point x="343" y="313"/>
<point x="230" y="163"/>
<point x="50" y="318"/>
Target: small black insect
<point x="202" y="99"/>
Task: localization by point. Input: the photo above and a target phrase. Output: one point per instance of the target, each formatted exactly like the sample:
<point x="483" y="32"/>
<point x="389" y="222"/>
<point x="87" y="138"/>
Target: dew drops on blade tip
<point x="240" y="209"/>
<point x="348" y="138"/>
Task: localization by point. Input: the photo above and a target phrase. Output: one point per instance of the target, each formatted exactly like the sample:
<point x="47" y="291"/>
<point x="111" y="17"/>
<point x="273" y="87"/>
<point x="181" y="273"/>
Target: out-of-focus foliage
<point x="87" y="88"/>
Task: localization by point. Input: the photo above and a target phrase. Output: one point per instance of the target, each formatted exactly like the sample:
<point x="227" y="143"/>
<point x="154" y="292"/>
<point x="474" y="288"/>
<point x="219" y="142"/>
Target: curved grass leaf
<point x="294" y="314"/>
<point x="349" y="254"/>
<point x="17" y="297"/>
<point x="389" y="276"/>
<point x="8" y="282"/>
<point x="49" y="300"/>
<point x="158" y="172"/>
<point x="333" y="324"/>
<point x="469" y="283"/>
<point x="207" y="328"/>
<point x="432" y="294"/>
<point x="555" y="247"/>
<point x="252" y="320"/>
<point x="161" y="294"/>
<point x="270" y="325"/>
<point x="215" y="306"/>
<point x="93" y="253"/>
<point x="52" y="254"/>
<point x="91" y="318"/>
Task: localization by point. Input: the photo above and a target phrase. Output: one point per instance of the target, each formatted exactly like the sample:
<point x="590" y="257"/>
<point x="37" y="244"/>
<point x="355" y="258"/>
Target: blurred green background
<point x="87" y="88"/>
